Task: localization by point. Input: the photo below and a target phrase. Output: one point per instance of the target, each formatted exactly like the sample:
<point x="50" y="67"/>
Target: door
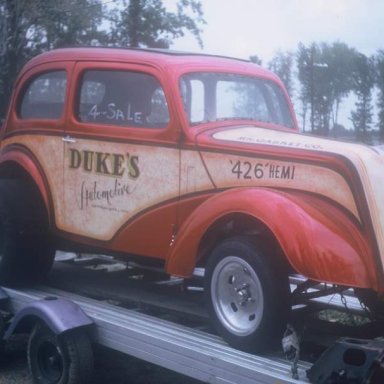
<point x="121" y="166"/>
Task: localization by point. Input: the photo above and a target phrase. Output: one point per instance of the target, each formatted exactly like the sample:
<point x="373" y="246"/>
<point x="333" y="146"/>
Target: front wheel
<point x="247" y="297"/>
<point x="59" y="359"/>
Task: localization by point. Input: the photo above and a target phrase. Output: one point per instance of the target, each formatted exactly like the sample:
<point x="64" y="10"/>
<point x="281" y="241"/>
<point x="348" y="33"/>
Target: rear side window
<point x="122" y="98"/>
<point x="44" y="96"/>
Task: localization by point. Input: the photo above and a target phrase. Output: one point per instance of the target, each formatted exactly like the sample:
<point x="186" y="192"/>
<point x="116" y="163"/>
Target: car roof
<point x="184" y="61"/>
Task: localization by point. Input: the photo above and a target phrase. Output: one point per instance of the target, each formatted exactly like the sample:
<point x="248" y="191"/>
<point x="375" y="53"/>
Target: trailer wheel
<point x="247" y="298"/>
<point x="59" y="359"/>
<point x="26" y="252"/>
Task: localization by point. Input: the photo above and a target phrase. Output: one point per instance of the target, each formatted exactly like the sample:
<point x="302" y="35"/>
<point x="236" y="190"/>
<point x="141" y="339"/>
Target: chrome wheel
<point x="237" y="296"/>
<point x="247" y="294"/>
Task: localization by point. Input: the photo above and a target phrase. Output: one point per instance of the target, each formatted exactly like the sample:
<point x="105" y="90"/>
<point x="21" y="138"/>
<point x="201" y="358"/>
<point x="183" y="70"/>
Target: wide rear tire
<point x="247" y="296"/>
<point x="26" y="251"/>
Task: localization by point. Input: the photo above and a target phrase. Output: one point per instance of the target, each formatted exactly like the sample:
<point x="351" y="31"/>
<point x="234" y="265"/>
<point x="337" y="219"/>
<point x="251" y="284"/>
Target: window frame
<point x="118" y="117"/>
<point x="168" y="135"/>
<point x="39" y="126"/>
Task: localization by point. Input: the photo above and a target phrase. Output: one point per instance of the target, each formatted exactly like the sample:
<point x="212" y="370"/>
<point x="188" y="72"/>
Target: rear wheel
<point x="247" y="297"/>
<point x="26" y="252"/>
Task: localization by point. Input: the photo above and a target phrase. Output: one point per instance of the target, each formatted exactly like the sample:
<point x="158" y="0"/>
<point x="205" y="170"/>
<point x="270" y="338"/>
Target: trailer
<point x="190" y="352"/>
<point x="183" y="349"/>
<point x="63" y="325"/>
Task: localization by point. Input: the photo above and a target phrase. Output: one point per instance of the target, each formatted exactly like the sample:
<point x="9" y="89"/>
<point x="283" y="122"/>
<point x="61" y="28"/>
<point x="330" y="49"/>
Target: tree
<point x="341" y="60"/>
<point x="282" y="64"/>
<point x="363" y="82"/>
<point x="13" y="38"/>
<point x="303" y="58"/>
<point x="31" y="27"/>
<point x="256" y="60"/>
<point x="379" y="67"/>
<point x="314" y="92"/>
<point x="68" y="23"/>
<point x="147" y="23"/>
<point x="324" y="72"/>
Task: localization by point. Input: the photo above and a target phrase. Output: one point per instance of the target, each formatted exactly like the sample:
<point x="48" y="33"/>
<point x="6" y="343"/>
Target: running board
<point x="184" y="350"/>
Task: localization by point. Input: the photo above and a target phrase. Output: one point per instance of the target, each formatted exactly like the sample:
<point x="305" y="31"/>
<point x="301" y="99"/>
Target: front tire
<point x="59" y="359"/>
<point x="247" y="296"/>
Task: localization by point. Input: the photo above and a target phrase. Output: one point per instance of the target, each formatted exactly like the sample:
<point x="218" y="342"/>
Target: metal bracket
<point x="350" y="361"/>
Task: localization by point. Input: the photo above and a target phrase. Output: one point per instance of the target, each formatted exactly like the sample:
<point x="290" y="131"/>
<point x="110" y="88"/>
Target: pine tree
<point x="363" y="82"/>
<point x="282" y="65"/>
<point x="379" y="79"/>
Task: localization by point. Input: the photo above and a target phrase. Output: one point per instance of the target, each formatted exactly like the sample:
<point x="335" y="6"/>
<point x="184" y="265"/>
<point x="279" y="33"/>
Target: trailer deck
<point x="187" y="351"/>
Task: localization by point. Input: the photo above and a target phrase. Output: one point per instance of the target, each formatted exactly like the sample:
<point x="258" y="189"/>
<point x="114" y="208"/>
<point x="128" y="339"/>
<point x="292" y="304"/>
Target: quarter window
<point x="122" y="98"/>
<point x="44" y="97"/>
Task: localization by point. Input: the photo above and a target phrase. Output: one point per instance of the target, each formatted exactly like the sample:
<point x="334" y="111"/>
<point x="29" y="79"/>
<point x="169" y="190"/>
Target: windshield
<point x="211" y="97"/>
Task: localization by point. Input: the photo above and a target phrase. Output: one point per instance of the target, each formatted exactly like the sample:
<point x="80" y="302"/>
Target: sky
<point x="242" y="28"/>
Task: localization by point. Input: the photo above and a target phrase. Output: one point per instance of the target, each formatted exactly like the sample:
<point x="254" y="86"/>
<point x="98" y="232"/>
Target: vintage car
<point x="184" y="161"/>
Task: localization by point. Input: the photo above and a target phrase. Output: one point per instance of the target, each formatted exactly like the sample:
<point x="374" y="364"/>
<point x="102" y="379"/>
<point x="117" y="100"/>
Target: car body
<point x="163" y="155"/>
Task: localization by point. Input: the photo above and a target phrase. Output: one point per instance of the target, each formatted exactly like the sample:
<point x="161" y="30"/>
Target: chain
<point x="367" y="311"/>
<point x="343" y="300"/>
<point x="349" y="313"/>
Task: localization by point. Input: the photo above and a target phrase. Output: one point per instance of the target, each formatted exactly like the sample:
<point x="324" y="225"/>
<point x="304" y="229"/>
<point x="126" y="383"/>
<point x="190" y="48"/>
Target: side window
<point x="122" y="98"/>
<point x="44" y="96"/>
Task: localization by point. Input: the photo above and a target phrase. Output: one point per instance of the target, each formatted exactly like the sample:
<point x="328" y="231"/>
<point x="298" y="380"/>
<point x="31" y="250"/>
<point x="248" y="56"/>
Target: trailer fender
<point x="321" y="247"/>
<point x="60" y="315"/>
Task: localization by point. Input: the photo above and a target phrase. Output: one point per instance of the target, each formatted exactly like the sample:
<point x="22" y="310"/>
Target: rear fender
<point x="25" y="161"/>
<point x="319" y="240"/>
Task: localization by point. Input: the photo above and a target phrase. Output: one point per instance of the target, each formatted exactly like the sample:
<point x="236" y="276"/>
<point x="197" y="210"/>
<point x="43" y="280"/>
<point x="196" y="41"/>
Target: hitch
<point x="349" y="360"/>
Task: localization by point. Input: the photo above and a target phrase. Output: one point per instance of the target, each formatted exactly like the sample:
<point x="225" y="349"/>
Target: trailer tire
<point x="59" y="359"/>
<point x="26" y="251"/>
<point x="248" y="299"/>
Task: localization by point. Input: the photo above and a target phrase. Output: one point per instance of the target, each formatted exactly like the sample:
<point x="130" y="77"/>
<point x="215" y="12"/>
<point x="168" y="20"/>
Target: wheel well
<point x="12" y="170"/>
<point x="240" y="224"/>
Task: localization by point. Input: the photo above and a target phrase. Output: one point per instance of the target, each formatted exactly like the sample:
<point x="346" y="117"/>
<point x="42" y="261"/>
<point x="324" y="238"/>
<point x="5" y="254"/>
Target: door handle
<point x="69" y="139"/>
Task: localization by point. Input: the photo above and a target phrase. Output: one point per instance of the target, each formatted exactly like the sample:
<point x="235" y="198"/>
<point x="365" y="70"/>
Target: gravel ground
<point x="110" y="367"/>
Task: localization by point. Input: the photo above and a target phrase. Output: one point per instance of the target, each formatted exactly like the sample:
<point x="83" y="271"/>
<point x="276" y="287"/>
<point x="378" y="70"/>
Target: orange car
<point x="186" y="160"/>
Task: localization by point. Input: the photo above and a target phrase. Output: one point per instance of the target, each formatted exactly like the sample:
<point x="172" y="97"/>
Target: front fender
<point x="319" y="240"/>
